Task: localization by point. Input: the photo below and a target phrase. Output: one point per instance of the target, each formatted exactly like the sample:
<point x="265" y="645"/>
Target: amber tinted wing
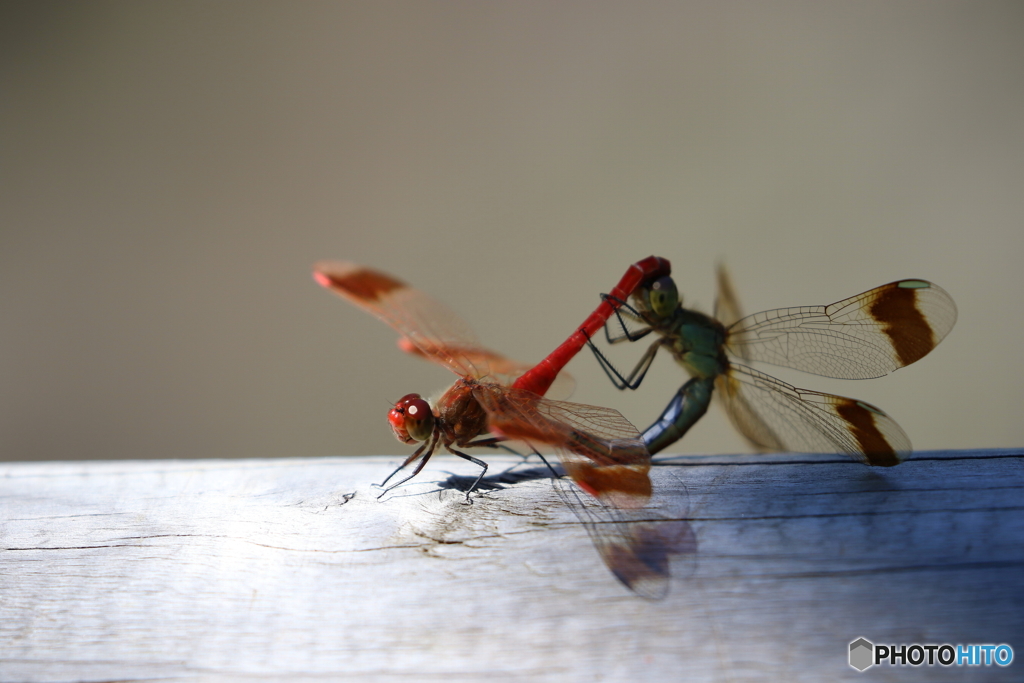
<point x="427" y="327"/>
<point x="780" y="417"/>
<point x="483" y="361"/>
<point x="868" y="335"/>
<point x="600" y="449"/>
<point x="727" y="308"/>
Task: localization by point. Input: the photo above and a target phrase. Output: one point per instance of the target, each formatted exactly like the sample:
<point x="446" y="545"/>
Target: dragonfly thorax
<point x="697" y="343"/>
<point x="460" y="415"/>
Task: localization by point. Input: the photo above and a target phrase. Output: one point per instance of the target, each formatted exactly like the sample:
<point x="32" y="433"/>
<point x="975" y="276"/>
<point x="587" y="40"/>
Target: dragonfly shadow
<point x="871" y="480"/>
<point x="497" y="481"/>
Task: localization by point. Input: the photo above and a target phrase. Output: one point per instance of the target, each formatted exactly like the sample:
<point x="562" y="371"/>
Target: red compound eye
<point x="411" y="419"/>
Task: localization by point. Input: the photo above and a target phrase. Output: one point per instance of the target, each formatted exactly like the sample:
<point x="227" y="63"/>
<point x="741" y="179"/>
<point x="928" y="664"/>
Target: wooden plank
<point x="291" y="569"/>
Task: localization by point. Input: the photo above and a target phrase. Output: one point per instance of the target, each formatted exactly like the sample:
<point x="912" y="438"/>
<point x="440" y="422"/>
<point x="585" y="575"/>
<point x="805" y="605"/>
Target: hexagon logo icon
<point x="861" y="654"/>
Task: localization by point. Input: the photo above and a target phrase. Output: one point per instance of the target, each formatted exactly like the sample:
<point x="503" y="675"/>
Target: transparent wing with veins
<point x="777" y="416"/>
<point x="427" y="327"/>
<point x="868" y="335"/>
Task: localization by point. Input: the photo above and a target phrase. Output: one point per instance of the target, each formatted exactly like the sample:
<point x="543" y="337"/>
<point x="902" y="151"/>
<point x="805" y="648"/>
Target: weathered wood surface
<point x="272" y="570"/>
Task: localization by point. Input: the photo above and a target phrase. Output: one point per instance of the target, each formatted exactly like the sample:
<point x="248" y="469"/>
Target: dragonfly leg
<point x="432" y="442"/>
<point x="545" y="461"/>
<point x="638" y="373"/>
<point x="495" y="442"/>
<point x="476" y="461"/>
<point x="685" y="408"/>
<point x="626" y="335"/>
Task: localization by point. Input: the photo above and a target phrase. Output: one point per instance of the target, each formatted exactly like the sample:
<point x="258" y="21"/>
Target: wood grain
<point x="290" y="569"/>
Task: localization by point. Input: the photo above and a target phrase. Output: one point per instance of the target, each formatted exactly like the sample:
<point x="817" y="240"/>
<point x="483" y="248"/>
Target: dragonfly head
<point x="411" y="419"/>
<point x="660" y="297"/>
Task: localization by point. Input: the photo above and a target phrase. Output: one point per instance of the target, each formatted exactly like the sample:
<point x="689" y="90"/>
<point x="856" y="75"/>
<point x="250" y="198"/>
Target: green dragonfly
<point x="864" y="336"/>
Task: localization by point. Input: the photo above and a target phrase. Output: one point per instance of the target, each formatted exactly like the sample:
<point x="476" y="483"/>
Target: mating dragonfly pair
<point x="496" y="399"/>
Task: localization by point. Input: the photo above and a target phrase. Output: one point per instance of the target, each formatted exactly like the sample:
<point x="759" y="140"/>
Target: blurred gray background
<point x="170" y="171"/>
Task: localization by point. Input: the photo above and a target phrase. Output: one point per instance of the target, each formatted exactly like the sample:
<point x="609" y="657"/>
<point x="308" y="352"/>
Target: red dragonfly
<point x="599" y="448"/>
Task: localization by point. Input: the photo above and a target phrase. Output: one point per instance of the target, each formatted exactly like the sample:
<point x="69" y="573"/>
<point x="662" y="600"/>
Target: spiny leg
<point x="626" y="333"/>
<point x="545" y="461"/>
<point x="638" y="373"/>
<point x="494" y="442"/>
<point x="555" y="478"/>
<point x="477" y="461"/>
<point x="431" y="443"/>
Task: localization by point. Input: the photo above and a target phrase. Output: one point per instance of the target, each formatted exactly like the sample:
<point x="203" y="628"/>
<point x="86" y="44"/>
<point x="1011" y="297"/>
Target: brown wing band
<point x="862" y="425"/>
<point x="365" y="284"/>
<point x="907" y="328"/>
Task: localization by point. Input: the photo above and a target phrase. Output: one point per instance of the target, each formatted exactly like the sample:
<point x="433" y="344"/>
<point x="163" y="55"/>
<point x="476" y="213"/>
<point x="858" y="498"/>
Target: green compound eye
<point x="663" y="297"/>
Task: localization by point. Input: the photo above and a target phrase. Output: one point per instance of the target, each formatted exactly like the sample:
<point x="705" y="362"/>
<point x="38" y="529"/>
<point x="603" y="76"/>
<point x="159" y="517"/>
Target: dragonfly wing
<point x="777" y="416"/>
<point x="727" y="308"/>
<point x="865" y="336"/>
<point x="427" y="327"/>
<point x="600" y="449"/>
<point x="485" y="361"/>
